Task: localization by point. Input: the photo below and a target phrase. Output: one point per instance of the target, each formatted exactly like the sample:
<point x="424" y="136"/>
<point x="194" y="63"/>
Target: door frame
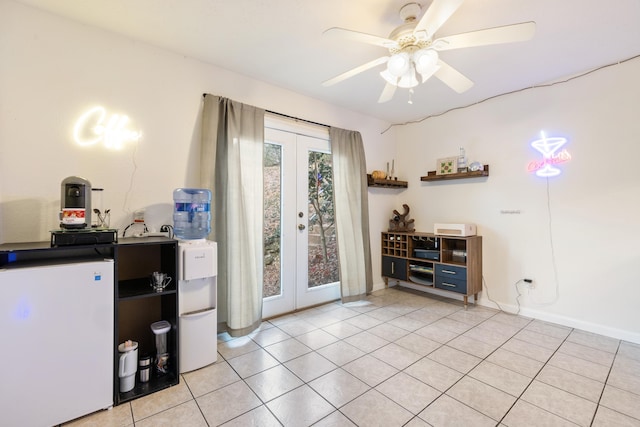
<point x="293" y="295"/>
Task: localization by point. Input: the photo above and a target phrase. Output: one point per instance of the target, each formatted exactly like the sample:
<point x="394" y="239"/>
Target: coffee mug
<point x="159" y="281"/>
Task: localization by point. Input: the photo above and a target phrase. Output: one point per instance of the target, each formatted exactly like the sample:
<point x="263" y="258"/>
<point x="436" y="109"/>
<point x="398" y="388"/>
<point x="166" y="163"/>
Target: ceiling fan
<point x="413" y="49"/>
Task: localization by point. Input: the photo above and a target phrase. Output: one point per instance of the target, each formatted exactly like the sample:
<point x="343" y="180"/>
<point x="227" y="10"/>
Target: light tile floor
<point x="401" y="359"/>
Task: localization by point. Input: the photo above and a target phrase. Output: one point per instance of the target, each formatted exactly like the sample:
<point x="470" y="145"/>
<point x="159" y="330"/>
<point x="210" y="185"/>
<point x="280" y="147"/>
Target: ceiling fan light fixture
<point x="426" y="62"/>
<point x="389" y="78"/>
<point x="427" y="74"/>
<point x="408" y="80"/>
<point x="425" y="59"/>
<point x="399" y="64"/>
<point x="400" y="71"/>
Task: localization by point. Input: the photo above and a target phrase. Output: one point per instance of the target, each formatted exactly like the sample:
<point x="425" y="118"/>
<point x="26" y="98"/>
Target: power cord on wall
<point x="167" y="229"/>
<point x="510" y="93"/>
<point x="144" y="229"/>
<point x="553" y="263"/>
<point x="126" y="195"/>
<point x="484" y="282"/>
<point x="553" y="255"/>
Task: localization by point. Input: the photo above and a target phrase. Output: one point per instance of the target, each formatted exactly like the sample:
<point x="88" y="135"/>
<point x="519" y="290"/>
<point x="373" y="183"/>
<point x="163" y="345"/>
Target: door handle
<point x="301" y="227"/>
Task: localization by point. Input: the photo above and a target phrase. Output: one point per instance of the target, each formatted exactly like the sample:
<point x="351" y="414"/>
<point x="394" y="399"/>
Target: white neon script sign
<point x="548" y="147"/>
<point x="95" y="126"/>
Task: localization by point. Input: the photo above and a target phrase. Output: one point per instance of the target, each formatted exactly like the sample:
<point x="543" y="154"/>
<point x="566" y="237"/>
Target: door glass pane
<point x="323" y="251"/>
<point x="272" y="284"/>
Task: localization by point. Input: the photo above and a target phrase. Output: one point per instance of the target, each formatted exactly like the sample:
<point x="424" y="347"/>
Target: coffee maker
<point x="75" y="203"/>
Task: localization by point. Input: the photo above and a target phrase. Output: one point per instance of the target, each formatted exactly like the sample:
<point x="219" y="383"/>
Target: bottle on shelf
<point x="462" y="161"/>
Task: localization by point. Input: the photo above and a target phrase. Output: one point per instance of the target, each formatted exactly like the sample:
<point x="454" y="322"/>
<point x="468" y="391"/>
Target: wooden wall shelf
<point x="388" y="183"/>
<point x="431" y="175"/>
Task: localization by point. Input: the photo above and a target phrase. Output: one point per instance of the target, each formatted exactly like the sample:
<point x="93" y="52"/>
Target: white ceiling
<point x="281" y="42"/>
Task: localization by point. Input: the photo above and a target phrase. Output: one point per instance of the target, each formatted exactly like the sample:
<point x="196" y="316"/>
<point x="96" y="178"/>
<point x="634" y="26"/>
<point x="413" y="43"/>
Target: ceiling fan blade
<point x="387" y="93"/>
<point x="354" y="71"/>
<point x="357" y="36"/>
<point x="436" y="15"/>
<point x="506" y="34"/>
<point x="452" y="77"/>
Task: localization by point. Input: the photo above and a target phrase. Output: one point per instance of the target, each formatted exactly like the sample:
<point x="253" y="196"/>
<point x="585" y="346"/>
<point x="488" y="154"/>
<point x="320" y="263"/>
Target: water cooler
<point x="197" y="303"/>
<point x="197" y="284"/>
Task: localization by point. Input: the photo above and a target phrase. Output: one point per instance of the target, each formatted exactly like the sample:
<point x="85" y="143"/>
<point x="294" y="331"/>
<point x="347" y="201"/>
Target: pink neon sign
<point x="548" y="147"/>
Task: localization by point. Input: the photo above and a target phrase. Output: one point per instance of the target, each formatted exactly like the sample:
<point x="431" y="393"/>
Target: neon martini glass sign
<point x="548" y="147"/>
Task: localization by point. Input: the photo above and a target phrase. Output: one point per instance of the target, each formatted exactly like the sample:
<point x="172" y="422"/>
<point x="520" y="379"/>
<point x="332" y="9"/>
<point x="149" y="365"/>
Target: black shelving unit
<point x="138" y="305"/>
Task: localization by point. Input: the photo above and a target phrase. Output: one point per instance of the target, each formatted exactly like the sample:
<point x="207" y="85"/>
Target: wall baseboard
<point x="595" y="328"/>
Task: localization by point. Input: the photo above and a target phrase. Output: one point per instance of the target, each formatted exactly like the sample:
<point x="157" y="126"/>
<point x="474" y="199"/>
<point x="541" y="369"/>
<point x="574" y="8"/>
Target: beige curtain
<point x="231" y="166"/>
<point x="352" y="213"/>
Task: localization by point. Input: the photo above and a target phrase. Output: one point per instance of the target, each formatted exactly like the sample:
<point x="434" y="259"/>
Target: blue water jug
<point x="192" y="213"/>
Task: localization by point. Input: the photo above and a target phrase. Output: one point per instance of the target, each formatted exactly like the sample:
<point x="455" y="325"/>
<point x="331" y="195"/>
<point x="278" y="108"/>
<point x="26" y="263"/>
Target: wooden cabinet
<point x="395" y="248"/>
<point x="395" y="244"/>
<point x="428" y="261"/>
<point x="395" y="268"/>
<point x="138" y="305"/>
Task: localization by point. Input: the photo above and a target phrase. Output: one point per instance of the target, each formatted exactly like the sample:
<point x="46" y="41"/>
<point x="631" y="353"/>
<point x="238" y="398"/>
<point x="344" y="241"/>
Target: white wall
<point x="53" y="69"/>
<point x="590" y="212"/>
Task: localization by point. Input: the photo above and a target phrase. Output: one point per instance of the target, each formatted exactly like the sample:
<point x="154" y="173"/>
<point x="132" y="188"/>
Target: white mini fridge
<point x="56" y="324"/>
<point x="197" y="303"/>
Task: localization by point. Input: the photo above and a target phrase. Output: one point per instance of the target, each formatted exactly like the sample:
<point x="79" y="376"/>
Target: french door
<point x="300" y="248"/>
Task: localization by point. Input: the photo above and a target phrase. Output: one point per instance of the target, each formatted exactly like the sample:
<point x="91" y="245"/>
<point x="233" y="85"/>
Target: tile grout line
<point x="195" y="400"/>
<point x="605" y="383"/>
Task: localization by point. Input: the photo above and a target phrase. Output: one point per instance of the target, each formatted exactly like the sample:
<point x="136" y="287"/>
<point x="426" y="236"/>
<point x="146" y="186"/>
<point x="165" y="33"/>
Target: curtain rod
<point x="290" y="117"/>
<point x="297" y="118"/>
